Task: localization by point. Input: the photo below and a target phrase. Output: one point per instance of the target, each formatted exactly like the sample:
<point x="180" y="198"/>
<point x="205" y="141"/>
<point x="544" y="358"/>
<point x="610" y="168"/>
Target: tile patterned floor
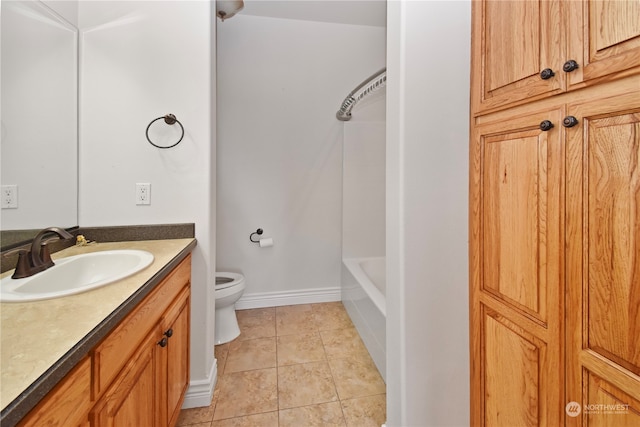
<point x="294" y="366"/>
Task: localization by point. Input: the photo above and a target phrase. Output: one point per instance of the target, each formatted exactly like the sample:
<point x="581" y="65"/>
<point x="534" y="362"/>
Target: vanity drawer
<point x="67" y="404"/>
<point x="111" y="355"/>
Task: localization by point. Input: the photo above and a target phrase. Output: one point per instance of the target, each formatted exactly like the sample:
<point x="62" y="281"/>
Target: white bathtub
<point x="363" y="295"/>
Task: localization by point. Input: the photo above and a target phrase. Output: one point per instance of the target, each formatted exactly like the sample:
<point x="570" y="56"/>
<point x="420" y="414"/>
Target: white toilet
<point x="229" y="289"/>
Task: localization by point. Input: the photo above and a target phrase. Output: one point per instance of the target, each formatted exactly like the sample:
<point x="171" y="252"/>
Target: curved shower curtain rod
<point x="368" y="86"/>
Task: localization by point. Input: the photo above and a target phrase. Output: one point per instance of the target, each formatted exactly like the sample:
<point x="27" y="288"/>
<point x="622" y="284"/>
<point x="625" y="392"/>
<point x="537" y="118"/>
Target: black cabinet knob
<point x="570" y="65"/>
<point x="163" y="342"/>
<point x="546" y="74"/>
<point x="169" y="333"/>
<point x="545" y="125"/>
<point x="569" y="122"/>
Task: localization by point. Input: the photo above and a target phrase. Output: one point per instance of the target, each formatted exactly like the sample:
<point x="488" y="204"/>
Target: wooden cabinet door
<point x="516" y="272"/>
<point x="512" y="42"/>
<point x="603" y="256"/>
<point x="604" y="38"/>
<point x="175" y="357"/>
<point x="131" y="401"/>
<point x="68" y="404"/>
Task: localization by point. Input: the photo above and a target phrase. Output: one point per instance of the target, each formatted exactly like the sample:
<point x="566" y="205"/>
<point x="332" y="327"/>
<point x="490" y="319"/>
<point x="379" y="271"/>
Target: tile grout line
<point x="333" y="377"/>
<point x="275" y="328"/>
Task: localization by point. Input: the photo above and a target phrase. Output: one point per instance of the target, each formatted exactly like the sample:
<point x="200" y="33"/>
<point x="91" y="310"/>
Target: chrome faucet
<point x="38" y="258"/>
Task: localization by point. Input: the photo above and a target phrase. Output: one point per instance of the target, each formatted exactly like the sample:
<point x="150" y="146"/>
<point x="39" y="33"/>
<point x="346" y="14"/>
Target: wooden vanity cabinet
<point x="149" y="386"/>
<point x="174" y="360"/>
<point x="132" y="398"/>
<point x="67" y="404"/>
<point x="137" y="375"/>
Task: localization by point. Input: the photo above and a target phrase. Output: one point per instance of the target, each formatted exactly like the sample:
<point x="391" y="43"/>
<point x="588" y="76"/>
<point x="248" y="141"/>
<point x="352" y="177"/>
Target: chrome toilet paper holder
<point x="259" y="232"/>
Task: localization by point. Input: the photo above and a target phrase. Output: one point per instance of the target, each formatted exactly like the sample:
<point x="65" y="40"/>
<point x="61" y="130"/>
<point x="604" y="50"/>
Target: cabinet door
<point x="512" y="43"/>
<point x="67" y="404"/>
<point x="175" y="359"/>
<point x="604" y="38"/>
<point x="603" y="256"/>
<point x="516" y="272"/>
<point x="131" y="401"/>
<point x="114" y="351"/>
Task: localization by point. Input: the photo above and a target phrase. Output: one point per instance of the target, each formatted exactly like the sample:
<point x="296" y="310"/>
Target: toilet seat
<point x="226" y="280"/>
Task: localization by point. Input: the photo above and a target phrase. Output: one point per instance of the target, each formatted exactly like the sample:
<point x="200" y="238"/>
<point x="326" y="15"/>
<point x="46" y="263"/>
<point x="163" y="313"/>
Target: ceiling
<point x="354" y="12"/>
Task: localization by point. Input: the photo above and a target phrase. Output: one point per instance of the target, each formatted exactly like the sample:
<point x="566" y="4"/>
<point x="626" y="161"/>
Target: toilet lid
<point x="225" y="280"/>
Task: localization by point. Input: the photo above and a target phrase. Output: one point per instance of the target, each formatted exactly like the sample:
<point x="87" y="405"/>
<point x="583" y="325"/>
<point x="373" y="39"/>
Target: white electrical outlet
<point x="143" y="193"/>
<point x="9" y="197"/>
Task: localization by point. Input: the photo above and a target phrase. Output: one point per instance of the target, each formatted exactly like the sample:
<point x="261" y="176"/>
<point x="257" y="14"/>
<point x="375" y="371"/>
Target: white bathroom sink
<point x="75" y="274"/>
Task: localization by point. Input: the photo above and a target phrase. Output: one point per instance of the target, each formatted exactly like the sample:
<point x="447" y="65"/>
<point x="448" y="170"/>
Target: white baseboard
<point x="200" y="392"/>
<point x="275" y="299"/>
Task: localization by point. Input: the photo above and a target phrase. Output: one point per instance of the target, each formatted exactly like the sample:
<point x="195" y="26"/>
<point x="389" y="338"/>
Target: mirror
<point x="39" y="117"/>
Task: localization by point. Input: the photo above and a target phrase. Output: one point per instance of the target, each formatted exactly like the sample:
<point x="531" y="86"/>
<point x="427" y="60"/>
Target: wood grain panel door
<point x="131" y="401"/>
<point x="512" y="42"/>
<point x="68" y="404"/>
<point x="175" y="358"/>
<point x="603" y="255"/>
<point x="604" y="38"/>
<point x="517" y="272"/>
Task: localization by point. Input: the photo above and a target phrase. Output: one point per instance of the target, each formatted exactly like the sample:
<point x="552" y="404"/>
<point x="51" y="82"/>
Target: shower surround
<point x="363" y="229"/>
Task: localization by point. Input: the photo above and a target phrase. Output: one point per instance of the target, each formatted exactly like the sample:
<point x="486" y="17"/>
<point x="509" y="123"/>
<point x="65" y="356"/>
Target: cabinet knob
<point x="569" y="66"/>
<point x="546" y="74"/>
<point x="545" y="125"/>
<point x="169" y="333"/>
<point x="163" y="342"/>
<point x="569" y="122"/>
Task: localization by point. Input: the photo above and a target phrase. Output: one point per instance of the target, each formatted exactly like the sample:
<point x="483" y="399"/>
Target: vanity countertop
<point x="42" y="341"/>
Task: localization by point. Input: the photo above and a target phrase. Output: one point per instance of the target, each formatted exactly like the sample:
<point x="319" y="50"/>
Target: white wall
<point x="140" y="61"/>
<point x="427" y="207"/>
<point x="68" y="9"/>
<point x="280" y="83"/>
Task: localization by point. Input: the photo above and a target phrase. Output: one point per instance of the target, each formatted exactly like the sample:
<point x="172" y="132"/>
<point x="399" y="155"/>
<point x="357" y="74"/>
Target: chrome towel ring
<point x="169" y="119"/>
